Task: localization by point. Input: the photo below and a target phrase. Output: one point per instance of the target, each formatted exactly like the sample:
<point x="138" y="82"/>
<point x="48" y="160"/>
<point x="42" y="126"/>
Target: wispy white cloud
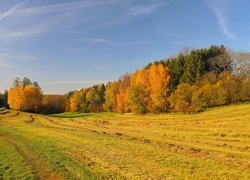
<point x="28" y="19"/>
<point x="132" y="43"/>
<point x="4" y="64"/>
<point x="9" y="12"/>
<point x="17" y="10"/>
<point x="96" y="40"/>
<point x="145" y="9"/>
<point x="103" y="42"/>
<point x="80" y="82"/>
<point x="8" y="56"/>
<point x="220" y="8"/>
<point x="17" y="34"/>
<point x="24" y="20"/>
<point x="111" y="42"/>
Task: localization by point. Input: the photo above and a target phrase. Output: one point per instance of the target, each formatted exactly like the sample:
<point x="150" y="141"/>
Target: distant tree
<point x="26" y="82"/>
<point x="241" y="64"/>
<point x="159" y="81"/>
<point x="112" y="89"/>
<point x="92" y="98"/>
<point x="195" y="66"/>
<point x="101" y="96"/>
<point x="36" y="85"/>
<point x="17" y="82"/>
<point x="1" y="101"/>
<point x="24" y="98"/>
<point x="53" y="104"/>
<point x="209" y="95"/>
<point x="221" y="62"/>
<point x="68" y="96"/>
<point x="209" y="78"/>
<point x="121" y="96"/>
<point x="181" y="99"/>
<point x="136" y="95"/>
<point x="78" y="101"/>
<point x="5" y="99"/>
<point x="176" y="71"/>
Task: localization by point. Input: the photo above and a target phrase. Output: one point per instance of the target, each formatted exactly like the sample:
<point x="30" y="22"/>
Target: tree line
<point x="189" y="82"/>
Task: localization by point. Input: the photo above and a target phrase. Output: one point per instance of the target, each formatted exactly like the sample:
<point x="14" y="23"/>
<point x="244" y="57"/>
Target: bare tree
<point x="241" y="64"/>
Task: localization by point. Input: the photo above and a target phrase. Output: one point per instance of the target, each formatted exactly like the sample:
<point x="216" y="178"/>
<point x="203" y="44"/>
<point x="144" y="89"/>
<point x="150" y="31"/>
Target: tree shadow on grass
<point x="71" y="115"/>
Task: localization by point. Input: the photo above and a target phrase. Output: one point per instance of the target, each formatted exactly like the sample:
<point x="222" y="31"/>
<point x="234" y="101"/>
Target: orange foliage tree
<point x="139" y="92"/>
<point x="121" y="97"/>
<point x="76" y="100"/>
<point x="25" y="98"/>
<point x="112" y="90"/>
<point x="159" y="81"/>
<point x="181" y="99"/>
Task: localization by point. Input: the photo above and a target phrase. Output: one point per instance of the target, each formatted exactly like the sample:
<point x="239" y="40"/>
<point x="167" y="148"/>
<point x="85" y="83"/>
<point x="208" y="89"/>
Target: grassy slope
<point x="214" y="144"/>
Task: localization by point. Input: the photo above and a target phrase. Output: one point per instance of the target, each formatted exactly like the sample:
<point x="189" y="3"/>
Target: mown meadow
<point x="214" y="144"/>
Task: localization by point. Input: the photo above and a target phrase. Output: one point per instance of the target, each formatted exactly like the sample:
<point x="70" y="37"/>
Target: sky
<point x="71" y="44"/>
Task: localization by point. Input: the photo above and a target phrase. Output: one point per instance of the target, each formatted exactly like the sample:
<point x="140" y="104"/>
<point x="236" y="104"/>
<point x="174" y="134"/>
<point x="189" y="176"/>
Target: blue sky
<point x="66" y="45"/>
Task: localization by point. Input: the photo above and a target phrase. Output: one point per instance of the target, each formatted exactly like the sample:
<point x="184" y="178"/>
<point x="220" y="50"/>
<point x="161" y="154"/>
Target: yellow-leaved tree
<point x="25" y="98"/>
<point x="181" y="99"/>
<point x="159" y="80"/>
<point x="121" y="96"/>
<point x="138" y="93"/>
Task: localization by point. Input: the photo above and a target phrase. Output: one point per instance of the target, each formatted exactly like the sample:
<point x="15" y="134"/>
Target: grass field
<point x="211" y="145"/>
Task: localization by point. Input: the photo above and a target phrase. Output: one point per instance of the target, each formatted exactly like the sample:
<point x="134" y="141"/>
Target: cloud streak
<point x="10" y="56"/>
<point x="96" y="41"/>
<point x="220" y="10"/>
<point x="23" y="20"/>
<point x="145" y="9"/>
<point x="52" y="8"/>
<point x="9" y="12"/>
<point x="4" y="64"/>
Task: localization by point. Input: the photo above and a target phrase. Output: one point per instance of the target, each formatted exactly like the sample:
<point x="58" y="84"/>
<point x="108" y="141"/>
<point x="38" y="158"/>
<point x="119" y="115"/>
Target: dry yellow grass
<point x="211" y="145"/>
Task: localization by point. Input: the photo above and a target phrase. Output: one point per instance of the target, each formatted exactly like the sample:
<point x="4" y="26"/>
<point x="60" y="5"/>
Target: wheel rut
<point x="39" y="168"/>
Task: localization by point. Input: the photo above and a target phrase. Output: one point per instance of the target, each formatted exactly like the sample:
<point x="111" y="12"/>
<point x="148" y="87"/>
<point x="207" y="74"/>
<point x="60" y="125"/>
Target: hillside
<point x="214" y="144"/>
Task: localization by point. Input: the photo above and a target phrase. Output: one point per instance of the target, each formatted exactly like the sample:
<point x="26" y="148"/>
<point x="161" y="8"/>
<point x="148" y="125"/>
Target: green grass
<point x="75" y="115"/>
<point x="214" y="144"/>
<point x="70" y="115"/>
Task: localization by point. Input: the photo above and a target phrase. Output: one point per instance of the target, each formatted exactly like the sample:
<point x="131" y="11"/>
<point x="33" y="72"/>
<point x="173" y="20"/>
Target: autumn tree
<point x="139" y="92"/>
<point x="112" y="89"/>
<point x="92" y="99"/>
<point x="24" y="98"/>
<point x="192" y="81"/>
<point x="159" y="81"/>
<point x="136" y="99"/>
<point x="121" y="96"/>
<point x="53" y="104"/>
<point x="77" y="100"/>
<point x="208" y="95"/>
<point x="181" y="99"/>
